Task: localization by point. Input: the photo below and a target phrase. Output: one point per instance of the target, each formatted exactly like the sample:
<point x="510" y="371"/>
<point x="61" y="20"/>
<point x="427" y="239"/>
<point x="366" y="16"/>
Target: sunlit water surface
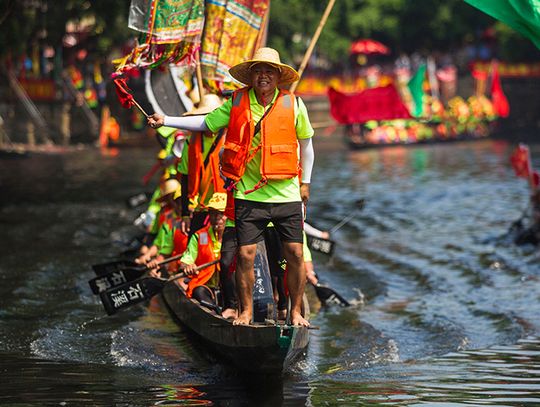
<point x="451" y="313"/>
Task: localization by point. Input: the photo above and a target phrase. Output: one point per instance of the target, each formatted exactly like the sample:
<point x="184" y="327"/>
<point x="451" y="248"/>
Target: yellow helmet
<point x="218" y="201"/>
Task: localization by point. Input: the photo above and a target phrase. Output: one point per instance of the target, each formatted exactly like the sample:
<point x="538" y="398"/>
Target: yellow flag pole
<point x="312" y="43"/>
<point x="199" y="76"/>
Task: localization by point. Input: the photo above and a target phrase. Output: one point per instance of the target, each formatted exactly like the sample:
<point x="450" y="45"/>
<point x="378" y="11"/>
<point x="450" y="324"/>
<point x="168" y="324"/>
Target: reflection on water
<point x="451" y="314"/>
<point x="497" y="376"/>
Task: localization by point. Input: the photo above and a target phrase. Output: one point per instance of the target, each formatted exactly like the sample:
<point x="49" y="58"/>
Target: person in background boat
<point x="204" y="246"/>
<point x="199" y="168"/>
<point x="261" y="160"/>
<point x="172" y="141"/>
<point x="171" y="240"/>
<point x="170" y="193"/>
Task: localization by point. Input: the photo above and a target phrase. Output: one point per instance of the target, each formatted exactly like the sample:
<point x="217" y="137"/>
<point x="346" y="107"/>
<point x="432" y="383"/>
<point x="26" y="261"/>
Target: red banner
<point x="40" y="90"/>
<point x="382" y="103"/>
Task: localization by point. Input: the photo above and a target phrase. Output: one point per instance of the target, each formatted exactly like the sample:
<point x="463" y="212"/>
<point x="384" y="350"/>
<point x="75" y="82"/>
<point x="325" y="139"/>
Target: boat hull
<point x="257" y="348"/>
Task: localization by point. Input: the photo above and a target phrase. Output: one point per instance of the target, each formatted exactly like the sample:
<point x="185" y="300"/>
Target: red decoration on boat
<point x="382" y="103"/>
<point x="367" y="46"/>
<point x="500" y="102"/>
<point x="521" y="161"/>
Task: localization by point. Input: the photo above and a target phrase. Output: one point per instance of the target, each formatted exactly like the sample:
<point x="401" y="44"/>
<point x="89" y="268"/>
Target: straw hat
<point x="269" y="56"/>
<point x="171" y="186"/>
<point x="218" y="201"/>
<point x="209" y="103"/>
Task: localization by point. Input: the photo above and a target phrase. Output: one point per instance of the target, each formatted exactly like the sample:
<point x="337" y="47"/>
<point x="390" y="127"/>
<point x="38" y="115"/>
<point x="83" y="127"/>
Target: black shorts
<point x="252" y="218"/>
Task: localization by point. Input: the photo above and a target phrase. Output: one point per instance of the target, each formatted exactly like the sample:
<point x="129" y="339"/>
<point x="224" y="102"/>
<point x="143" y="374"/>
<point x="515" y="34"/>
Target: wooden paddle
<point x="112" y="266"/>
<point x="325" y="246"/>
<point x="120" y="276"/>
<point x="138" y="199"/>
<point x="327" y="295"/>
<point x="131" y="293"/>
<point x="359" y="206"/>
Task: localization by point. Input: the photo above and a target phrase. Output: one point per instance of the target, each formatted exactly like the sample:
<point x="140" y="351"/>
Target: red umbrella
<point x="366" y="46"/>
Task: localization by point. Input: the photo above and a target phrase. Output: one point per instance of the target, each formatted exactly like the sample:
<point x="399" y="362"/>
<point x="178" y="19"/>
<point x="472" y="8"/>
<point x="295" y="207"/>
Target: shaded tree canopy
<point x="403" y="25"/>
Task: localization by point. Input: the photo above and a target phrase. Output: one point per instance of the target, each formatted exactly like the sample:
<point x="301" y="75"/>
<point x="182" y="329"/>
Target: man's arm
<point x="307" y="156"/>
<point x="192" y="123"/>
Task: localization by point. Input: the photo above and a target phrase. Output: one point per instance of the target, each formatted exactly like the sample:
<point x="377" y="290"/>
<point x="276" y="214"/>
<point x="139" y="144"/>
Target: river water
<point x="451" y="313"/>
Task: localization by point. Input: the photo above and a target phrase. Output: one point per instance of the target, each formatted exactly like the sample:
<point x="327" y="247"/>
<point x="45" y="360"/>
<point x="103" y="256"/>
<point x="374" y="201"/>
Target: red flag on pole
<point x="123" y="92"/>
<point x="500" y="102"/>
<point x="124" y="95"/>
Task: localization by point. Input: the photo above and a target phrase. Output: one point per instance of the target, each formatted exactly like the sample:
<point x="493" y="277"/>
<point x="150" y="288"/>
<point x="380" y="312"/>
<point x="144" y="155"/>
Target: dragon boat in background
<point x="413" y="112"/>
<point x="469" y="119"/>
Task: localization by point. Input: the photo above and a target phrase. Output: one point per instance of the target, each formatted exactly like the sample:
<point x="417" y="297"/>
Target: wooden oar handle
<point x="180" y="275"/>
<point x="170" y="259"/>
<point x="140" y="108"/>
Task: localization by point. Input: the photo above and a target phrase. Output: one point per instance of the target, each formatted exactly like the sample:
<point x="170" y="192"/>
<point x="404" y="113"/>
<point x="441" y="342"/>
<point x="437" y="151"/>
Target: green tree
<point x="403" y="25"/>
<point x="28" y="22"/>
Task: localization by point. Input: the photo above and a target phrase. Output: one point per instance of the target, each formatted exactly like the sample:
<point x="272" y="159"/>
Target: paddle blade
<point x="116" y="278"/>
<point x="112" y="266"/>
<point x="327" y="295"/>
<point x="129" y="294"/>
<point x="325" y="246"/>
<point x="137" y="200"/>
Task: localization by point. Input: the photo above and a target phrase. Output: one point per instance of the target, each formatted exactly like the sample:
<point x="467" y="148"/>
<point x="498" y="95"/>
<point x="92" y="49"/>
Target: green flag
<point x="415" y="86"/>
<point x="522" y="15"/>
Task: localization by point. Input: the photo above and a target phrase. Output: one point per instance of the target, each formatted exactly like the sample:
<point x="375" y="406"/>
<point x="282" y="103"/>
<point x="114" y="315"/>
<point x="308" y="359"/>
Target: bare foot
<point x="282" y="314"/>
<point x="243" y="319"/>
<point x="298" y="320"/>
<point x="229" y="313"/>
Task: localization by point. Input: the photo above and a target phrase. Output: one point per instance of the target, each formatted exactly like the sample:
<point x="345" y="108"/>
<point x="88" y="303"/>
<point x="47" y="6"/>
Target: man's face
<point x="217" y="219"/>
<point x="264" y="77"/>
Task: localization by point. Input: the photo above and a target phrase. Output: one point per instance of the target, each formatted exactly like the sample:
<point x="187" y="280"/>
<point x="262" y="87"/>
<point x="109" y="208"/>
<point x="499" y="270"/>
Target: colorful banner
<point x="231" y="35"/>
<point x="167" y="21"/>
<point x="171" y="31"/>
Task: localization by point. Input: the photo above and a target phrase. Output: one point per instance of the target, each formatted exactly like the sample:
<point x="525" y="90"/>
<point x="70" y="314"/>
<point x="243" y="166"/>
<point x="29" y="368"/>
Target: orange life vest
<point x="229" y="209"/>
<point x="201" y="176"/>
<point x="180" y="239"/>
<point x="279" y="146"/>
<point x="205" y="254"/>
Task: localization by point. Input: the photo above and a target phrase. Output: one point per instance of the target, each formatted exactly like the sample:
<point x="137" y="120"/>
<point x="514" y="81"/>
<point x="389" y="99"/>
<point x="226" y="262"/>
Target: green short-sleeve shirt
<point x="275" y="191"/>
<point x="165" y="239"/>
<point x="192" y="251"/>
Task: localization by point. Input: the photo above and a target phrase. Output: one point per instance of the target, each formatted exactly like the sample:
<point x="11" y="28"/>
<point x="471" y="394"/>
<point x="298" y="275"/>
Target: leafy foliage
<point x="403" y="25"/>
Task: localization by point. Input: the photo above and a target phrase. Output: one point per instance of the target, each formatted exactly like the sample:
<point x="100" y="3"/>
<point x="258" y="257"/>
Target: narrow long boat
<point x="267" y="348"/>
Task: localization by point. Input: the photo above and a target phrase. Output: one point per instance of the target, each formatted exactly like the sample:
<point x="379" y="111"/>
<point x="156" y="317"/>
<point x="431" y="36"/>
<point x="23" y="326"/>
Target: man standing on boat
<point x="265" y="127"/>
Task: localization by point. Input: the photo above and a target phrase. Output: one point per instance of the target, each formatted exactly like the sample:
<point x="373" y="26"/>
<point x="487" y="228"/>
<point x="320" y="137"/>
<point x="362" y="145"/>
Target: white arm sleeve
<point x="310" y="230"/>
<point x="307" y="156"/>
<point x="192" y="123"/>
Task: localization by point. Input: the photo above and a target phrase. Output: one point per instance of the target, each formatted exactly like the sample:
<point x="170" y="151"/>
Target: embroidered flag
<point x="170" y="33"/>
<point x="231" y="34"/>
